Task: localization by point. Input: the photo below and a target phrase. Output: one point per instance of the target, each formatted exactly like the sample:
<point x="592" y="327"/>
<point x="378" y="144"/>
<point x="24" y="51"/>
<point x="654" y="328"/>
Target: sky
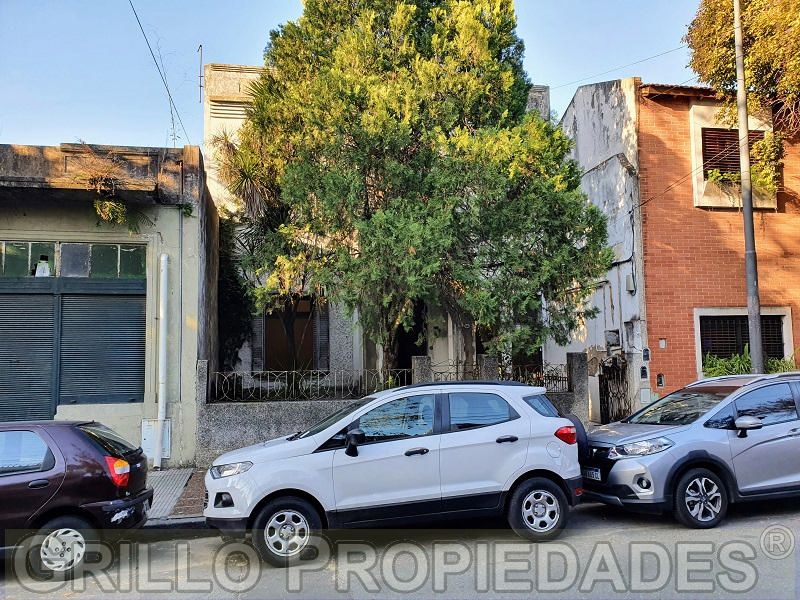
<point x="80" y="69"/>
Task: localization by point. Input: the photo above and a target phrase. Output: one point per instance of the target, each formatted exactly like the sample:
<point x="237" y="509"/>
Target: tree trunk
<point x="390" y="355"/>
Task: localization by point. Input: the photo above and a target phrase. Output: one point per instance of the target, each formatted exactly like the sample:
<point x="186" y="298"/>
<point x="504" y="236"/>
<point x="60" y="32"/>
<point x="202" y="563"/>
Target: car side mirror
<point x="352" y="440"/>
<point x="746" y="423"/>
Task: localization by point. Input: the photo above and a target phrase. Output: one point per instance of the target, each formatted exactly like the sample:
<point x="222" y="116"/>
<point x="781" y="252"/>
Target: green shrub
<point x="740" y="364"/>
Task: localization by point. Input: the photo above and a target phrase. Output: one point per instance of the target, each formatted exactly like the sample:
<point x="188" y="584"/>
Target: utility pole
<point x="750" y="260"/>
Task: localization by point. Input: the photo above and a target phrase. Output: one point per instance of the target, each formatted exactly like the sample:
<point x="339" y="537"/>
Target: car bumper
<point x="129" y="513"/>
<point x="575" y="486"/>
<point x="623" y="497"/>
<point x="228" y="527"/>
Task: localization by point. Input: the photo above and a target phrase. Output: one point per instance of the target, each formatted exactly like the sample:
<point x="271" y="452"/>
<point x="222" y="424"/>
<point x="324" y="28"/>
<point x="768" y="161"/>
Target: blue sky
<point x="80" y="69"/>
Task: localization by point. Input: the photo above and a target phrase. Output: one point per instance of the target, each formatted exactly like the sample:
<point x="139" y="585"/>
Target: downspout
<point x="163" y="272"/>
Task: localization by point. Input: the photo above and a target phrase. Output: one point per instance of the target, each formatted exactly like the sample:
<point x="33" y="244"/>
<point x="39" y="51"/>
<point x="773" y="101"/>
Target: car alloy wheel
<point x="703" y="499"/>
<point x="62" y="549"/>
<point x="540" y="511"/>
<point x="287" y="533"/>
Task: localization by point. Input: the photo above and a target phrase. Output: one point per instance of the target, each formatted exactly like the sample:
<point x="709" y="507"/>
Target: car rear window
<point x="108" y="440"/>
<point x="542" y="404"/>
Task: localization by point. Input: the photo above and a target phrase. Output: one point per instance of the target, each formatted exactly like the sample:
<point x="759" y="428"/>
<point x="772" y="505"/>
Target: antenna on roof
<point x="200" y="77"/>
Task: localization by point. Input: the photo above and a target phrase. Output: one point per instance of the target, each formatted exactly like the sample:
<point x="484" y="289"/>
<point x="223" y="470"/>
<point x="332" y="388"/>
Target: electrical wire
<point x="158" y="68"/>
<point x="620" y="67"/>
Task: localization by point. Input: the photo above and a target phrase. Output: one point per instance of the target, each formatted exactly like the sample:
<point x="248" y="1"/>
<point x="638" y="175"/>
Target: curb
<point x="198" y="522"/>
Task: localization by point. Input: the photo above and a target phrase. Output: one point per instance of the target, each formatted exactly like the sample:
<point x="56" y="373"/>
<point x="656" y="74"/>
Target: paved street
<point x="605" y="552"/>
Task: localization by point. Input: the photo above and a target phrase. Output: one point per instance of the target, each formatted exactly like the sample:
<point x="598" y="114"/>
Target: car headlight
<point x="643" y="448"/>
<point x="220" y="471"/>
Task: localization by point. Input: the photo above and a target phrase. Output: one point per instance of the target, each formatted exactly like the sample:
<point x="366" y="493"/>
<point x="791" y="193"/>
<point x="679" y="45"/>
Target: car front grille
<point x="205" y="500"/>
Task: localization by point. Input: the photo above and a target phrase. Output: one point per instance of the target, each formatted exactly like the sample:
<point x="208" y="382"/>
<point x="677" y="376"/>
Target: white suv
<point x="461" y="449"/>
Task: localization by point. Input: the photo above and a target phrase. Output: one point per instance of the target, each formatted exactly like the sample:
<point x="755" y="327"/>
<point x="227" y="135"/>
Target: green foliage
<point x="766" y="161"/>
<point x="772" y="53"/>
<point x="393" y="137"/>
<point x="741" y="364"/>
<point x="234" y="306"/>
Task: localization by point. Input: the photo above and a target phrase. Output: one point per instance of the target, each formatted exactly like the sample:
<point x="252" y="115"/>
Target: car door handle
<point x="414" y="451"/>
<point x="38" y="483"/>
<point x="506" y="438"/>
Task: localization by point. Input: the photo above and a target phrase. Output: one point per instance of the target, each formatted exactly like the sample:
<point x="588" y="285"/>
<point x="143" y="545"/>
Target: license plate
<point x="591" y="473"/>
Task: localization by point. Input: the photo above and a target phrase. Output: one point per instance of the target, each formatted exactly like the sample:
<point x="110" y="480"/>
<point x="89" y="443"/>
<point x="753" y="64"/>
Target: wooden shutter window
<point x="721" y="149"/>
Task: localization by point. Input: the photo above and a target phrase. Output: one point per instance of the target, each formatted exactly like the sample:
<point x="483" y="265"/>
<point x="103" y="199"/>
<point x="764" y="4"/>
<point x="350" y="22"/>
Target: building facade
<point x="79" y="297"/>
<point x="333" y="340"/>
<point x="676" y="290"/>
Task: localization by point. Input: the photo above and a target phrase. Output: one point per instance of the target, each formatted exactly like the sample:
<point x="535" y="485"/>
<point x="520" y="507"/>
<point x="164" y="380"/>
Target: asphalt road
<point x="604" y="553"/>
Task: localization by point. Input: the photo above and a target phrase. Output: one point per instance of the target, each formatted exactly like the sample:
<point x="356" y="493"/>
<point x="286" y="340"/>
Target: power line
<point x="725" y="151"/>
<point x="158" y="68"/>
<point x="620" y="67"/>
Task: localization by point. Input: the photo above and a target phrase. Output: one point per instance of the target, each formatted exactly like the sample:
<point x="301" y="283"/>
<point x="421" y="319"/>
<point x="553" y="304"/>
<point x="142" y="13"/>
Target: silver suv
<point x="695" y="451"/>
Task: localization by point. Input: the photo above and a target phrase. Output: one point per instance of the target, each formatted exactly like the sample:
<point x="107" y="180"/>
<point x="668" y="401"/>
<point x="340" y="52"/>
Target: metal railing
<point x="335" y="384"/>
<point x="343" y="384"/>
<point x="554" y="378"/>
<point x="454" y="371"/>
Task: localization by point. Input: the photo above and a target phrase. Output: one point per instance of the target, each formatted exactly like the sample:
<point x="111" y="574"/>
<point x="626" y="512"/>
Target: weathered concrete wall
<point x="602" y="122"/>
<point x="227" y="96"/>
<point x="226" y="426"/>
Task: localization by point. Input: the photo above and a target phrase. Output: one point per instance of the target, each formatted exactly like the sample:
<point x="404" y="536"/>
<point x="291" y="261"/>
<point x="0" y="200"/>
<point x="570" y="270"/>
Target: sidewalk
<point x="177" y="499"/>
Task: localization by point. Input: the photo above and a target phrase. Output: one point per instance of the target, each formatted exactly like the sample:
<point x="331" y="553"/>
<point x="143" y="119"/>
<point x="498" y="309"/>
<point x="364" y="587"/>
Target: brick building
<point x="676" y="290"/>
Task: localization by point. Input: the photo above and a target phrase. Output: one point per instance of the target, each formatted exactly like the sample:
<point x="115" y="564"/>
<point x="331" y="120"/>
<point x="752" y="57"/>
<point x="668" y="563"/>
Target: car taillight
<point x="119" y="470"/>
<point x="567" y="434"/>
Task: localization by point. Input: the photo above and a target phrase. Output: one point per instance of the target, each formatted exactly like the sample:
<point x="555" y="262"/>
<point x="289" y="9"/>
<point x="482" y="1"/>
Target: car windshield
<point x="331" y="419"/>
<point x="680" y="408"/>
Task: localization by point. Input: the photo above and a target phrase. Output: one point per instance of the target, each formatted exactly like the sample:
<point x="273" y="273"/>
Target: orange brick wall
<point x="694" y="257"/>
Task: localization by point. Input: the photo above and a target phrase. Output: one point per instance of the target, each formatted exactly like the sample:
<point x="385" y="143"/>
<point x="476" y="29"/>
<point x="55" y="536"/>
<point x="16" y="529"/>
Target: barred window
<point x="725" y="336"/>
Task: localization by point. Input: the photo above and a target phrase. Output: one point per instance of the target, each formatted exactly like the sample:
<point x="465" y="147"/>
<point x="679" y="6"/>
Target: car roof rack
<point x="749" y="379"/>
<point x="467" y="382"/>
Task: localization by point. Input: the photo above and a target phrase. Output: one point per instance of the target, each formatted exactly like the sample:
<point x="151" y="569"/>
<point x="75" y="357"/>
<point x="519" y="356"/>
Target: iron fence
<point x="338" y="384"/>
<point x="454" y="371"/>
<point x="554" y="378"/>
<point x="343" y="384"/>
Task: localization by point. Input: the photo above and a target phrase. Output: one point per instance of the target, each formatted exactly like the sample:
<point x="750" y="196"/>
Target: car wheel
<point x="701" y="500"/>
<point x="59" y="548"/>
<point x="284" y="529"/>
<point x="538" y="509"/>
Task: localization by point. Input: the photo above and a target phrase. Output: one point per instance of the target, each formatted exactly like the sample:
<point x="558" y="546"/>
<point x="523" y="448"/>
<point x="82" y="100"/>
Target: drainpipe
<point x="163" y="272"/>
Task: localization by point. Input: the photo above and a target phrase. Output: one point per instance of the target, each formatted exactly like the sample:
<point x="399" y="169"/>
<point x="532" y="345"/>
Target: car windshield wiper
<point x="294" y="436"/>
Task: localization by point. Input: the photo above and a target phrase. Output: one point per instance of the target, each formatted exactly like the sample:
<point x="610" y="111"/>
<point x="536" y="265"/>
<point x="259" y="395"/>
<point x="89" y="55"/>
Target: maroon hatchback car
<point x="65" y="484"/>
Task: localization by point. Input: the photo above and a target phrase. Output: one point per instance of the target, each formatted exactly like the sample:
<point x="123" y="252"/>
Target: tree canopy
<point x="771" y="36"/>
<point x="393" y="137"/>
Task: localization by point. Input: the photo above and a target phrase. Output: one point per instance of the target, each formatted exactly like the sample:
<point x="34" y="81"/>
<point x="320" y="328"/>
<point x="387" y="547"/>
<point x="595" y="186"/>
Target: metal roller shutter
<point x="102" y="349"/>
<point x="26" y="357"/>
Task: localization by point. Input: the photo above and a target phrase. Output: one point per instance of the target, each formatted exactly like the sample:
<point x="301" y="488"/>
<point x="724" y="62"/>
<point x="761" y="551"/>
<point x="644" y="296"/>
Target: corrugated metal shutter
<point x="102" y="349"/>
<point x="26" y="357"/>
<point x="322" y="345"/>
<point x="257" y="344"/>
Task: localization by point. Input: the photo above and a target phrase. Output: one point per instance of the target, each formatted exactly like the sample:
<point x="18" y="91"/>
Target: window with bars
<point x="726" y="336"/>
<point x="721" y="149"/>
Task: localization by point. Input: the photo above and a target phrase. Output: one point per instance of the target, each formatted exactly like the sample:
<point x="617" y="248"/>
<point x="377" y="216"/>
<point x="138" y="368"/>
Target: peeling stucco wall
<point x="602" y="122"/>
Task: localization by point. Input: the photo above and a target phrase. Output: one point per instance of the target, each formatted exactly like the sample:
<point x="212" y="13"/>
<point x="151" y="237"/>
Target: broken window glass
<point x="132" y="262"/>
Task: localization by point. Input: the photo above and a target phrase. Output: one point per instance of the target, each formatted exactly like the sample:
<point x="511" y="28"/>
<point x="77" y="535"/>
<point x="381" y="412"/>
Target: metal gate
<point x="614" y="401"/>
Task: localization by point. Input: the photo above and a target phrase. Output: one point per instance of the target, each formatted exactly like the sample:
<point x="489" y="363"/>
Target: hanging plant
<point x="105" y="175"/>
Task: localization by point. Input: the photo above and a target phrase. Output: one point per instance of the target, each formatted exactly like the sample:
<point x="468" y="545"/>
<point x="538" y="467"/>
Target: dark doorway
<point x="413" y="342"/>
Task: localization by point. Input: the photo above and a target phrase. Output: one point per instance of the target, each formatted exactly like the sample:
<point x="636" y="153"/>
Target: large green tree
<point x="771" y="38"/>
<point x="394" y="134"/>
